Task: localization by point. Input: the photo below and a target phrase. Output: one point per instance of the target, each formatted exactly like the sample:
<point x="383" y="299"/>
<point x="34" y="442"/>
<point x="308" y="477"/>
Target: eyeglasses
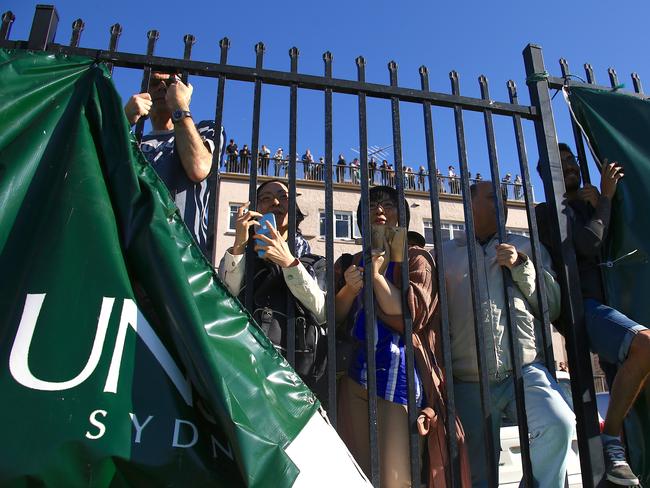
<point x="269" y="198"/>
<point x="386" y="205"/>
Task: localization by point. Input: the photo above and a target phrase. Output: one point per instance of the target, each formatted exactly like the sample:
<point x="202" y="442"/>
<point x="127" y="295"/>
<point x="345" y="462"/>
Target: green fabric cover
<point x="86" y="225"/>
<point x="618" y="128"/>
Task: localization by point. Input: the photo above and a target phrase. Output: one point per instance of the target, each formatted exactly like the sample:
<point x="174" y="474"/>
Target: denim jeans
<point x="610" y="332"/>
<point x="551" y="424"/>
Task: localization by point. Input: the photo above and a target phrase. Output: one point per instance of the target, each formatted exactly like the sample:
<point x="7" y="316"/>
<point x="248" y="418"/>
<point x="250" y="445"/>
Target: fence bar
<point x="44" y="24"/>
<point x="188" y="41"/>
<point x="368" y="295"/>
<point x="577" y="134"/>
<point x="252" y="188"/>
<point x="613" y="77"/>
<point x="293" y="150"/>
<point x="215" y="178"/>
<point x="517" y="378"/>
<point x="7" y="20"/>
<point x="77" y="28"/>
<point x="404" y="268"/>
<point x="582" y="386"/>
<point x="329" y="246"/>
<point x="636" y="81"/>
<point x="116" y="32"/>
<point x="291" y="310"/>
<point x="547" y="341"/>
<point x="484" y="381"/>
<point x="152" y="38"/>
<point x="434" y="198"/>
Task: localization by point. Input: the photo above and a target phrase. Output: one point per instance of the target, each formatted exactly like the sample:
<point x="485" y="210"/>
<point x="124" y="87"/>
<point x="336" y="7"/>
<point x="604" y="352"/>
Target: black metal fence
<point x="539" y="112"/>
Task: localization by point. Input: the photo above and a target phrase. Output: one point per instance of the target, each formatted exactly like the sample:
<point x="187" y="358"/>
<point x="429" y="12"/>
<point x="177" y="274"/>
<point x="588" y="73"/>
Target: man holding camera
<point x="178" y="149"/>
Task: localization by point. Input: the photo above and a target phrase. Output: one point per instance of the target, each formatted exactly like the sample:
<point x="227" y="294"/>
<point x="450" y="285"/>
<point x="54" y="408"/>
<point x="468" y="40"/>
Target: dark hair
<point x="375" y="193"/>
<point x="563" y="147"/>
<point x="299" y="215"/>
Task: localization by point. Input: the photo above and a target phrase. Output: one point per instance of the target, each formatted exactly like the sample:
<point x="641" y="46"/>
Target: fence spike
<point x="7" y="20"/>
<point x="589" y="71"/>
<point x="189" y="40"/>
<point x="77" y="28"/>
<point x="512" y="91"/>
<point x="613" y="77"/>
<point x="392" y="69"/>
<point x="455" y="81"/>
<point x="564" y="67"/>
<point x="636" y="81"/>
<point x="116" y="32"/>
<point x="483" y="83"/>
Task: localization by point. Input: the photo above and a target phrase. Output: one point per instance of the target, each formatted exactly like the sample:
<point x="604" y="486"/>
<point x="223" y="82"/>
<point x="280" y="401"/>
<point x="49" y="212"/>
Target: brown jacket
<point x="424" y="310"/>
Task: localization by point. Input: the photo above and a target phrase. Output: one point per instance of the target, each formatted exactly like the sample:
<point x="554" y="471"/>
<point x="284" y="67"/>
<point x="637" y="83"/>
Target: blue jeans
<point x="551" y="424"/>
<point x="610" y="332"/>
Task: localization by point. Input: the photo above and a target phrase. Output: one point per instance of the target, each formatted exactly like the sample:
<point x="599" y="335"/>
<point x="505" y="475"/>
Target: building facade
<point x="233" y="192"/>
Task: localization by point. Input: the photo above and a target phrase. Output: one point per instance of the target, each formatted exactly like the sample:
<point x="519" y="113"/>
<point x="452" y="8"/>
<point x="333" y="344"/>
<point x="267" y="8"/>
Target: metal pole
<point x="582" y="385"/>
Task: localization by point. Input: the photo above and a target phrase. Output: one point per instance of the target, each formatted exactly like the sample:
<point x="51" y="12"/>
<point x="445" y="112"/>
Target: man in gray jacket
<point x="551" y="422"/>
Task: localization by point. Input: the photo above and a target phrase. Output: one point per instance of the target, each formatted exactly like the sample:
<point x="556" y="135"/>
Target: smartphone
<point x="264" y="230"/>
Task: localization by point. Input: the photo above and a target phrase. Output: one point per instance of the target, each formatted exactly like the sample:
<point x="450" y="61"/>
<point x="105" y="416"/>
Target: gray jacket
<point x="492" y="301"/>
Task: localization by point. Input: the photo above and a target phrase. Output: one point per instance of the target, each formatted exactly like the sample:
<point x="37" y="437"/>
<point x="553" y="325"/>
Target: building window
<point x="344" y="225"/>
<point x="232" y="216"/>
<point x="449" y="231"/>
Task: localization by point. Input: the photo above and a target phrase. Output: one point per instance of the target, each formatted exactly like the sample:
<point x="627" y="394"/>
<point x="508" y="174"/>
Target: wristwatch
<point x="178" y="115"/>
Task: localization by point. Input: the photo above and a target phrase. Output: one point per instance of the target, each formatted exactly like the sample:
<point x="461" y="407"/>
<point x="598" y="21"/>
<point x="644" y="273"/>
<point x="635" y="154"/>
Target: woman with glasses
<point x="279" y="273"/>
<point x="390" y="354"/>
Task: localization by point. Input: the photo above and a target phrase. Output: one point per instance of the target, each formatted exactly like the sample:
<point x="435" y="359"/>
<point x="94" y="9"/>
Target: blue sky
<point x="471" y="37"/>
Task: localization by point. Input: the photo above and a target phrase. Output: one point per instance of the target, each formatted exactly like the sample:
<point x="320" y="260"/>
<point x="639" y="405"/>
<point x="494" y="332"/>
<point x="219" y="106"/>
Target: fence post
<point x="46" y="20"/>
<point x="582" y="385"/>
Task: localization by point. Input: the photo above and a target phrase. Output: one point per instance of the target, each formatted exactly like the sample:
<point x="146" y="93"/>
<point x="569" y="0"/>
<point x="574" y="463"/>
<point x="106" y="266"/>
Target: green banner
<point x="618" y="129"/>
<point x="127" y="363"/>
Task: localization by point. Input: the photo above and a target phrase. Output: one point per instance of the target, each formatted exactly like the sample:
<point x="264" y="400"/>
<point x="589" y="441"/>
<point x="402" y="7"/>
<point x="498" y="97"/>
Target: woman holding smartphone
<point x="278" y="274"/>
